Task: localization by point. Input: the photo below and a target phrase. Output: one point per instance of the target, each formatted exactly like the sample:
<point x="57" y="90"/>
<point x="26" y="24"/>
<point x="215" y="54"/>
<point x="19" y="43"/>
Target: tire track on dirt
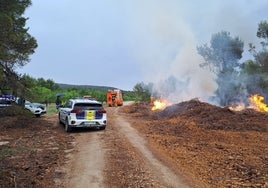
<point x="115" y="157"/>
<point x="162" y="172"/>
<point x="86" y="165"/>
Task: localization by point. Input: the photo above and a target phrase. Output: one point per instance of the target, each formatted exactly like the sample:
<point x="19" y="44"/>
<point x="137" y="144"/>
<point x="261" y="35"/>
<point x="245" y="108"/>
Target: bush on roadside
<point x="14" y="110"/>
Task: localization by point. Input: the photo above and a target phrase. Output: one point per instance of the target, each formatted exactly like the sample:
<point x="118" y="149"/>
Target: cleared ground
<point x="191" y="144"/>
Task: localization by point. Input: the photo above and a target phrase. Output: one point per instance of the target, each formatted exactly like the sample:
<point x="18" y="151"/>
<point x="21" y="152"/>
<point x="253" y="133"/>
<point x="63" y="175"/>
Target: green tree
<point x="40" y="94"/>
<point x="253" y="79"/>
<point x="27" y="83"/>
<point x="222" y="58"/>
<point x="263" y="32"/>
<point x="142" y="92"/>
<point x="250" y="67"/>
<point x="50" y="84"/>
<point x="255" y="72"/>
<point x="16" y="44"/>
<point x="40" y="90"/>
<point x="223" y="53"/>
<point x="261" y="57"/>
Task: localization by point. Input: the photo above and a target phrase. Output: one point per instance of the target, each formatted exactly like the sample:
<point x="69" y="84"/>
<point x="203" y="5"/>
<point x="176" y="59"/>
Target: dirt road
<point x="116" y="157"/>
<point x="208" y="146"/>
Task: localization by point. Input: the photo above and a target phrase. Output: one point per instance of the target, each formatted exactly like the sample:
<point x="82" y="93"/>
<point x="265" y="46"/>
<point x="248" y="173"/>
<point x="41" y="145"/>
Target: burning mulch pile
<point x="211" y="145"/>
<point x="214" y="117"/>
<point x="30" y="149"/>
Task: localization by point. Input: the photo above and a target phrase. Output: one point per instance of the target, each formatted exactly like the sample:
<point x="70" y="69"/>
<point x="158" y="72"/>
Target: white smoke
<point x="167" y="53"/>
<point x="165" y="35"/>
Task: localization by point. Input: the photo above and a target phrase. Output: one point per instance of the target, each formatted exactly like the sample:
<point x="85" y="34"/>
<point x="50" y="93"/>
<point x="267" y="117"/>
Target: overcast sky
<point x="122" y="42"/>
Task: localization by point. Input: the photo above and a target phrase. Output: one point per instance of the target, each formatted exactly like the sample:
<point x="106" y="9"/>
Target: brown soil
<point x="207" y="146"/>
<point x="31" y="149"/>
<point x="213" y="146"/>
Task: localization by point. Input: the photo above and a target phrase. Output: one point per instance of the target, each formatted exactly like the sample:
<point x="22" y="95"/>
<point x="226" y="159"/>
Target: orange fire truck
<point x="114" y="98"/>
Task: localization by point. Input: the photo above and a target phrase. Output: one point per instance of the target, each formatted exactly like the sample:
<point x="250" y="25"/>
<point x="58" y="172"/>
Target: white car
<point x="36" y="108"/>
<point x="5" y="102"/>
<point x="82" y="112"/>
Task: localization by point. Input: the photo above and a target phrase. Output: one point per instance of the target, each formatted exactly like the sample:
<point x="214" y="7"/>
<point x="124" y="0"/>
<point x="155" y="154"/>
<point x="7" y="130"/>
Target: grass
<point x="51" y="108"/>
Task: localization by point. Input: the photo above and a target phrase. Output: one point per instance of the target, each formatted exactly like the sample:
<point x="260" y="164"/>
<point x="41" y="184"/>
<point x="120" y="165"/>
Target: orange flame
<point x="237" y="107"/>
<point x="159" y="105"/>
<point x="257" y="103"/>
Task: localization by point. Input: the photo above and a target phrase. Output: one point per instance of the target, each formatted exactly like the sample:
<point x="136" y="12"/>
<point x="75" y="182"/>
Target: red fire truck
<point x="114" y="98"/>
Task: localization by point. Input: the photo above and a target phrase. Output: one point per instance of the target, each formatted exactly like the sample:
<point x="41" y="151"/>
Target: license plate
<point x="90" y="123"/>
<point x="90" y="114"/>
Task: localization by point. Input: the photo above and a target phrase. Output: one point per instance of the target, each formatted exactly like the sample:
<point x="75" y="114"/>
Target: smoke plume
<point x="167" y="34"/>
